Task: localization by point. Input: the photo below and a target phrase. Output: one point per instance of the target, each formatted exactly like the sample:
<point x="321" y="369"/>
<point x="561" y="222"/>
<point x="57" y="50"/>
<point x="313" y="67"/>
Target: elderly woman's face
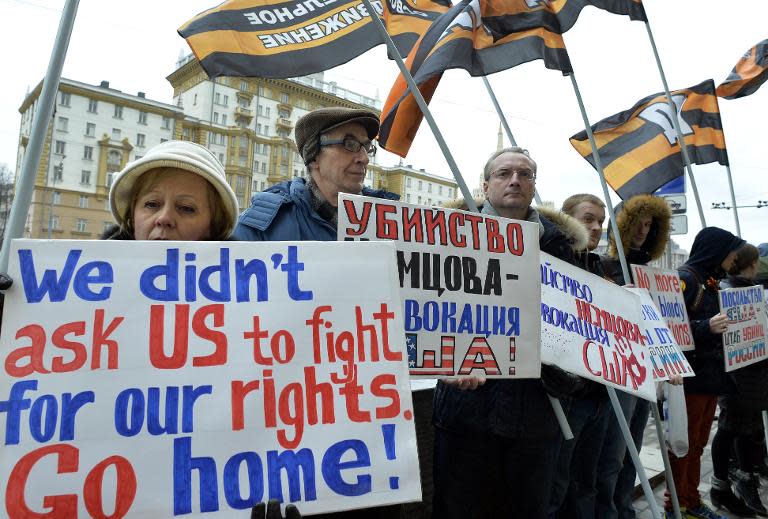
<point x="173" y="205"/>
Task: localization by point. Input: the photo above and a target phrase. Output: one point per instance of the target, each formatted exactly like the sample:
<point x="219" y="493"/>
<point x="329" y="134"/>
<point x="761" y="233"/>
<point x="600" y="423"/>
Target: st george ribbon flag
<point x="748" y="75"/>
<point x="407" y="20"/>
<point x="638" y="147"/>
<point x="461" y="38"/>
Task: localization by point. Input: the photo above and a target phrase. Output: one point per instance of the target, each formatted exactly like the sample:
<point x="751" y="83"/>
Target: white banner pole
<point x="665" y="457"/>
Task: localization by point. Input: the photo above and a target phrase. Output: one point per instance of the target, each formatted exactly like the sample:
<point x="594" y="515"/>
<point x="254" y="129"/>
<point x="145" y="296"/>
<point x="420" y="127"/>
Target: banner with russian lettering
<point x="162" y="379"/>
<point x="744" y="340"/>
<point x="667" y="293"/>
<point x="667" y="358"/>
<point x="468" y="283"/>
<point x="591" y="327"/>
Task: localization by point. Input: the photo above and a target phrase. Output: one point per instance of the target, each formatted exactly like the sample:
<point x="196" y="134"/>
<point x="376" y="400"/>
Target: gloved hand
<point x="272" y="511"/>
<point x="5" y="281"/>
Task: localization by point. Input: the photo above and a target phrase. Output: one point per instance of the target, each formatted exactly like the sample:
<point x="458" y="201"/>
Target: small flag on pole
<point x="279" y="39"/>
<point x="460" y="38"/>
<point x="749" y="73"/>
<point x="560" y="15"/>
<point x="407" y="20"/>
<point x="638" y="147"/>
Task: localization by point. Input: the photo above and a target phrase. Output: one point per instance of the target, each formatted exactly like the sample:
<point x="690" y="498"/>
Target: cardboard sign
<point x="667" y="294"/>
<point x="744" y="340"/>
<point x="591" y="327"/>
<point x="161" y="379"/>
<point x="468" y="284"/>
<point x="666" y="357"/>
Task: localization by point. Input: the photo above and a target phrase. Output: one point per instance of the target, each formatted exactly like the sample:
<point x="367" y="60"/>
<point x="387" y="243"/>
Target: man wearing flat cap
<point x="336" y="146"/>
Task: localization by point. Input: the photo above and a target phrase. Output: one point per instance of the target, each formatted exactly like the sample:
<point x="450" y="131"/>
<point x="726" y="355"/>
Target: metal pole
<point x="665" y="457"/>
<point x="765" y="427"/>
<point x="557" y="408"/>
<point x="733" y="200"/>
<point x="601" y="174"/>
<point x="31" y="163"/>
<point x="468" y="198"/>
<point x="506" y="126"/>
<point x="676" y="124"/>
<point x="633" y="453"/>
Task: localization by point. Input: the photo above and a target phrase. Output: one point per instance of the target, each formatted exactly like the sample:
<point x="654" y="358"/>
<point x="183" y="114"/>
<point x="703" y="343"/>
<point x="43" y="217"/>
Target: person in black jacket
<point x="740" y="425"/>
<point x="712" y="254"/>
<point x="496" y="441"/>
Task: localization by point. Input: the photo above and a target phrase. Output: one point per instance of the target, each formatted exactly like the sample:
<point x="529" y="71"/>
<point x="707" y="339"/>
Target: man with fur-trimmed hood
<point x="496" y="442"/>
<point x="644" y="223"/>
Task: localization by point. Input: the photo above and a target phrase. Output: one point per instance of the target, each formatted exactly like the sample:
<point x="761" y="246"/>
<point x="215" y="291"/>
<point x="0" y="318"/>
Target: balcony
<point x="285" y="123"/>
<point x="245" y="113"/>
<point x="285" y="107"/>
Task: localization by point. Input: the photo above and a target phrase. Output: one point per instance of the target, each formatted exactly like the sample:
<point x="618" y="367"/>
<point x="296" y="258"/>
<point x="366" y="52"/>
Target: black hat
<point x="311" y="125"/>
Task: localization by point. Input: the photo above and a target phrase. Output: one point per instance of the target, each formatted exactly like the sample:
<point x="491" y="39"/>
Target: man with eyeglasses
<point x="497" y="441"/>
<point x="336" y="145"/>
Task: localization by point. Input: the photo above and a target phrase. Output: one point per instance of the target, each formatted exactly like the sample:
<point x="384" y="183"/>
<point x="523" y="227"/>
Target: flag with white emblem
<point x="639" y="149"/>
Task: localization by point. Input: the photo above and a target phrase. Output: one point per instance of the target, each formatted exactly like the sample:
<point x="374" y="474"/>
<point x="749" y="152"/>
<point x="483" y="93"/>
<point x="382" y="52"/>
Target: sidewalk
<point x="650" y="455"/>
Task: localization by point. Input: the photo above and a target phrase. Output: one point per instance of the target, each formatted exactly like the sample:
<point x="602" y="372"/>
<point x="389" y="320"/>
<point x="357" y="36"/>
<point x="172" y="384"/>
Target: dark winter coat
<point x="517" y="408"/>
<point x="751" y="381"/>
<point x="703" y="269"/>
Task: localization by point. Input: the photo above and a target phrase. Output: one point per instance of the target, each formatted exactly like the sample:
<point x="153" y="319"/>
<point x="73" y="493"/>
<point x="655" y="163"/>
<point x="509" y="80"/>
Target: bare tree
<point x="6" y="196"/>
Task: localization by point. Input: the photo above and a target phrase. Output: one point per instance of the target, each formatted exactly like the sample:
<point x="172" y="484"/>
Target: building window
<point x="222" y="139"/>
<point x="258" y="128"/>
<point x="116" y="134"/>
<point x="244" y="86"/>
<point x="419" y="200"/>
<point x="163" y="140"/>
<point x="88" y="152"/>
<point x="114" y="158"/>
<point x="185" y="134"/>
<point x="81" y="225"/>
<point x="263" y="168"/>
<point x="215" y="117"/>
<point x="221" y="158"/>
<point x="142" y="117"/>
<point x="261" y="90"/>
<point x="105" y="226"/>
<point x="118" y="112"/>
<point x="240" y="187"/>
<point x="167" y="121"/>
<point x="85" y="177"/>
<point x="408" y="182"/>
<point x="63" y="124"/>
<point x="141" y="140"/>
<point x="110" y="177"/>
<point x="93" y="106"/>
<point x="61" y="147"/>
<point x="56" y="199"/>
<point x="429" y="187"/>
<point x="408" y="197"/>
<point x="224" y="119"/>
<point x="226" y="101"/>
<point x="64" y="98"/>
<point x="83" y="203"/>
<point x="266" y="130"/>
<point x="54" y="222"/>
<point x="90" y="129"/>
<point x="420" y="186"/>
<point x="217" y="98"/>
<point x="284" y="98"/>
<point x="267" y="111"/>
<point x="137" y="157"/>
<point x="439" y="190"/>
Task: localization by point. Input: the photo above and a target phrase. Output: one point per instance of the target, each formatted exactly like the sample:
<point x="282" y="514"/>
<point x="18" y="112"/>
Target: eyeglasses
<point x="351" y="144"/>
<point x="525" y="175"/>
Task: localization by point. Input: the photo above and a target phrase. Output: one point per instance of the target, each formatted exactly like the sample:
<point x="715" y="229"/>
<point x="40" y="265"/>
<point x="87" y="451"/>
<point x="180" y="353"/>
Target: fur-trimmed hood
<point x="573" y="230"/>
<point x="627" y="219"/>
<point x="460" y="203"/>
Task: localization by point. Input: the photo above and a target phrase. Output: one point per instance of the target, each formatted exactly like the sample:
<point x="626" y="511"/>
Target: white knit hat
<point x="183" y="155"/>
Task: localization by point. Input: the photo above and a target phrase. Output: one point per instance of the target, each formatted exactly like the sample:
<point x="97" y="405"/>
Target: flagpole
<point x="557" y="408"/>
<point x="506" y="125"/>
<point x="393" y="52"/>
<point x="665" y="458"/>
<point x="733" y="200"/>
<point x="625" y="272"/>
<point x="26" y="184"/>
<point x="676" y="124"/>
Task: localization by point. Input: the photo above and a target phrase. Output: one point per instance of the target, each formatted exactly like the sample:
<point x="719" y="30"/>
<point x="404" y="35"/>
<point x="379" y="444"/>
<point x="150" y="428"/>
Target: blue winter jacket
<point x="284" y="213"/>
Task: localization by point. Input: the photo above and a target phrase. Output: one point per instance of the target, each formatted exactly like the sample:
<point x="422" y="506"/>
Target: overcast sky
<point x="134" y="46"/>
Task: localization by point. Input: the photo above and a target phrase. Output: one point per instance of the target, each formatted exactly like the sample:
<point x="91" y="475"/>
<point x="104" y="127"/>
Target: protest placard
<point x="468" y="282"/>
<point x="667" y="293"/>
<point x="744" y="340"/>
<point x="158" y="379"/>
<point x="591" y="327"/>
<point x="666" y="357"/>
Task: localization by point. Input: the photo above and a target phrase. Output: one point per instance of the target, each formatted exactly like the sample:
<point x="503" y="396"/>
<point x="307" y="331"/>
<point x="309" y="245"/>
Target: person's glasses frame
<point x="504" y="174"/>
<point x="350" y="144"/>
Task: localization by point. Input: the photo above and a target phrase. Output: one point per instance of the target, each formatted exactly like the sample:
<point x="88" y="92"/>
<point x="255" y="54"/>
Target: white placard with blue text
<point x="162" y="379"/>
<point x="744" y="340"/>
<point x="592" y="328"/>
<point x="468" y="282"/>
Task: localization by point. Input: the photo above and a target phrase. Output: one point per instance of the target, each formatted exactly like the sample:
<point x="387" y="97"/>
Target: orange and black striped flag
<point x="638" y="147"/>
<point x="279" y="39"/>
<point x="460" y="38"/>
<point x="407" y="20"/>
<point x="749" y="73"/>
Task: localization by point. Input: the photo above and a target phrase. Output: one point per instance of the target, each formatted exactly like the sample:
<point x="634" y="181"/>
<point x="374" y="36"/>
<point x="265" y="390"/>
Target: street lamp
<point x="723" y="205"/>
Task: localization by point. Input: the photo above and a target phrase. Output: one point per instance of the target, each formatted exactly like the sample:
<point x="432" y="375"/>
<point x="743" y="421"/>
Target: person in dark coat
<point x="712" y="254"/>
<point x="740" y="425"/>
<point x="496" y="442"/>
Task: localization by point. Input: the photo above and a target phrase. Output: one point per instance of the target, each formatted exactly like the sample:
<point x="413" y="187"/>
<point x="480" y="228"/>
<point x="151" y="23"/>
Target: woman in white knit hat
<point x="177" y="191"/>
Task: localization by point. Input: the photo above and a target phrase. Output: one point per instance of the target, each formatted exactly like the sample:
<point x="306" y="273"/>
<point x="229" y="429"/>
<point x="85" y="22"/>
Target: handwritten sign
<point x="666" y="357"/>
<point x="744" y="340"/>
<point x="591" y="327"/>
<point x="667" y="293"/>
<point x="161" y="379"/>
<point x="468" y="284"/>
